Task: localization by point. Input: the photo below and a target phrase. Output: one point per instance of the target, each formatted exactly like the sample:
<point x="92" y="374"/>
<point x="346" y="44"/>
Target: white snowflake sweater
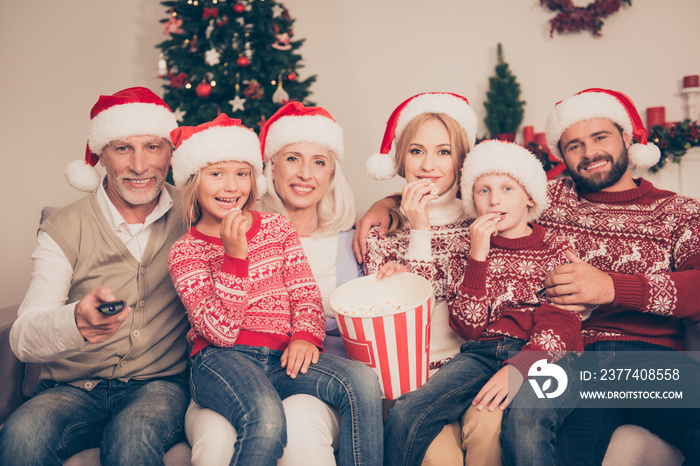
<point x="268" y="299"/>
<point x="502" y="297"/>
<point x="648" y="240"/>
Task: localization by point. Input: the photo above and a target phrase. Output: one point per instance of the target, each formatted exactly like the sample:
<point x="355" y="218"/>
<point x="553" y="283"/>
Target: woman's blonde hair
<point x="192" y="210"/>
<point x="336" y="209"/>
<point x="459" y="145"/>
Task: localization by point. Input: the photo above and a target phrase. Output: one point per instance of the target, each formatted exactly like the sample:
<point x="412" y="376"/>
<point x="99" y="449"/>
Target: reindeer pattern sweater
<point x="502" y="297"/>
<point x="268" y="299"/>
<point x="648" y="240"/>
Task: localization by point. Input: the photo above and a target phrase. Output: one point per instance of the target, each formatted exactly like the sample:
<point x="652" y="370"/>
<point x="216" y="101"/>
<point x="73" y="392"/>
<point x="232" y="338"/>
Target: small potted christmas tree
<point x="504" y="109"/>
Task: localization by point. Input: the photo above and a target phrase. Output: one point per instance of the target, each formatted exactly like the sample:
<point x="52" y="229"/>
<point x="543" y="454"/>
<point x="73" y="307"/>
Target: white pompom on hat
<point x="602" y="103"/>
<point x="135" y="111"/>
<point x="293" y="123"/>
<point x="221" y="140"/>
<point x="504" y="158"/>
<point x="382" y="165"/>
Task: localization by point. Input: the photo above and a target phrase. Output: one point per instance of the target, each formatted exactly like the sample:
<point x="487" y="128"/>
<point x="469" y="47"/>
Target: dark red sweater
<point x="648" y="240"/>
<point x="501" y="297"/>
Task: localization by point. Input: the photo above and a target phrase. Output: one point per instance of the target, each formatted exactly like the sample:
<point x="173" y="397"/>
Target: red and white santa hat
<point x="382" y="166"/>
<point x="602" y="103"/>
<point x="504" y="158"/>
<point x="221" y="140"/>
<point x="135" y="111"/>
<point x="294" y="123"/>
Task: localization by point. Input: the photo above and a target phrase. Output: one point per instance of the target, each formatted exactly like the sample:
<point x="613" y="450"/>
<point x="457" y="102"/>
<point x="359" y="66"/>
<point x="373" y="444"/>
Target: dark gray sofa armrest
<point x="11" y="369"/>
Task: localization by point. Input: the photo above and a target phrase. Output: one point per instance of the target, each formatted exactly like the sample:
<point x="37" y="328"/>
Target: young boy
<point x="496" y="303"/>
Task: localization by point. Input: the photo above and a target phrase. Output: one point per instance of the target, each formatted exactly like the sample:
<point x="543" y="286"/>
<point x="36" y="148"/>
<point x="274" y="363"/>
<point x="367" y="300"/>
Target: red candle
<point x="691" y="81"/>
<point x="656" y="116"/>
<point x="528" y="134"/>
<point x="541" y="139"/>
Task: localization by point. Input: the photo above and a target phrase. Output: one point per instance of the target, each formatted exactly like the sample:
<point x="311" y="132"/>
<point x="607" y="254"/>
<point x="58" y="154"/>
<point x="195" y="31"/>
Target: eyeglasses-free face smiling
<point x="430" y="156"/>
<point x="596" y="155"/>
<point x="136" y="168"/>
<point x="302" y="173"/>
<point x="222" y="186"/>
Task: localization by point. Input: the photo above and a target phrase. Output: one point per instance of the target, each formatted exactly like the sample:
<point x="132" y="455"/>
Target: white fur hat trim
<point x="591" y="105"/>
<point x="130" y="119"/>
<point x="314" y="129"/>
<point x="508" y="159"/>
<point x="451" y="106"/>
<point x="216" y="144"/>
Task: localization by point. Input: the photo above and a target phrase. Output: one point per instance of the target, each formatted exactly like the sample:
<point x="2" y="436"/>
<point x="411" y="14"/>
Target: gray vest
<point x="151" y="343"/>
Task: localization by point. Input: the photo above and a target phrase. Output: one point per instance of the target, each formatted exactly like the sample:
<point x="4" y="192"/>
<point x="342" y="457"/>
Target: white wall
<point x="369" y="55"/>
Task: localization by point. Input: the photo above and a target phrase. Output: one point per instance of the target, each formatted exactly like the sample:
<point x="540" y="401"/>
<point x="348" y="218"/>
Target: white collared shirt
<point x="45" y="329"/>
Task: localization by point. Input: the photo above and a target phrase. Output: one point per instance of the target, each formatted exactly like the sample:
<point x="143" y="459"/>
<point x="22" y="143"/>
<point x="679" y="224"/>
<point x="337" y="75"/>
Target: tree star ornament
<point x="237" y="104"/>
<point x="277" y="10"/>
<point x="179" y="114"/>
<point x="212" y="57"/>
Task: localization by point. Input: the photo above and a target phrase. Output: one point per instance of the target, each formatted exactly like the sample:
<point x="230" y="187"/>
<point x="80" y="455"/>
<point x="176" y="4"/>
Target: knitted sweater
<point x="427" y="253"/>
<point x="502" y="296"/>
<point x="268" y="299"/>
<point x="648" y="240"/>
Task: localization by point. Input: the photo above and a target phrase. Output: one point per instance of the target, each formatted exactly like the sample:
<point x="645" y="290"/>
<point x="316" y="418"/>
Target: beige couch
<point x="630" y="445"/>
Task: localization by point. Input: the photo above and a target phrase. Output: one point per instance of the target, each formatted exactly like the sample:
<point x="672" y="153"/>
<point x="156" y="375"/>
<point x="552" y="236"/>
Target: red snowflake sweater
<point x="502" y="297"/>
<point x="268" y="299"/>
<point x="648" y="240"/>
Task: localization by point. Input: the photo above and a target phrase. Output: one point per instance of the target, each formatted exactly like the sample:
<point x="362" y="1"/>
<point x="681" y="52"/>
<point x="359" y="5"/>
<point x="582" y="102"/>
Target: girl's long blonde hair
<point x="458" y="143"/>
<point x="191" y="208"/>
<point x="336" y="209"/>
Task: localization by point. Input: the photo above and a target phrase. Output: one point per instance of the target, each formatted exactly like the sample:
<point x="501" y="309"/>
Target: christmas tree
<point x="233" y="57"/>
<point x="504" y="109"/>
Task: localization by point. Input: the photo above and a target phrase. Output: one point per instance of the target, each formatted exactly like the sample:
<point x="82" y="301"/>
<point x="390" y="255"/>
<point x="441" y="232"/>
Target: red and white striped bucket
<point x="395" y="344"/>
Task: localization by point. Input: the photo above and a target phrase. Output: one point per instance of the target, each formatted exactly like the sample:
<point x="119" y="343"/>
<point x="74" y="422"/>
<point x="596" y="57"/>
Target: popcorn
<point x="379" y="309"/>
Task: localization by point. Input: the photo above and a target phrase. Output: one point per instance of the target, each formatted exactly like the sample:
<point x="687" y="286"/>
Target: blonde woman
<point x="426" y="141"/>
<point x="302" y="149"/>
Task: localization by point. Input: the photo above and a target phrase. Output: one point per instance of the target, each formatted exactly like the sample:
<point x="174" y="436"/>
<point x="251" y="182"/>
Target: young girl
<point x="496" y="303"/>
<point x="254" y="308"/>
<point x="433" y="132"/>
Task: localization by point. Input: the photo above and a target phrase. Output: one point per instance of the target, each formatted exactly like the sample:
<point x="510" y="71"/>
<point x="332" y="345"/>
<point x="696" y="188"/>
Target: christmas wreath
<point x="674" y="140"/>
<point x="571" y="18"/>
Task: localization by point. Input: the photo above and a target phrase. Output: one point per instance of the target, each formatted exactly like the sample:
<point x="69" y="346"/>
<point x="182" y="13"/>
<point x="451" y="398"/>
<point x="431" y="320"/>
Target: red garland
<point x="572" y="18"/>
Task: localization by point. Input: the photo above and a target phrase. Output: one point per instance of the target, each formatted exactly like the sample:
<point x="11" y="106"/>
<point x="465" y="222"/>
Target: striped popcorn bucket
<point x="386" y="325"/>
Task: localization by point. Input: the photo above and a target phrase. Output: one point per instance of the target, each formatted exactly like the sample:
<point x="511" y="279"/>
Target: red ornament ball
<point x="292" y="76"/>
<point x="238" y="8"/>
<point x="243" y="61"/>
<point x="203" y="90"/>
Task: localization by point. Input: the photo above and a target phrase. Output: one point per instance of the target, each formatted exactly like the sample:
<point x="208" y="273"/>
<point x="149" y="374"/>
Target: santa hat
<point x="294" y="123"/>
<point x="136" y="111"/>
<point x="382" y="166"/>
<point x="504" y="158"/>
<point x="602" y="103"/>
<point x="221" y="140"/>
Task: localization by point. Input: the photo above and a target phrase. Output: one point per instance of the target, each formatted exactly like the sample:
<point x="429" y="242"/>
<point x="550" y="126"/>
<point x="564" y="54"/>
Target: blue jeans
<point x="419" y="416"/>
<point x="133" y="422"/>
<point x="586" y="434"/>
<point x="246" y="384"/>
